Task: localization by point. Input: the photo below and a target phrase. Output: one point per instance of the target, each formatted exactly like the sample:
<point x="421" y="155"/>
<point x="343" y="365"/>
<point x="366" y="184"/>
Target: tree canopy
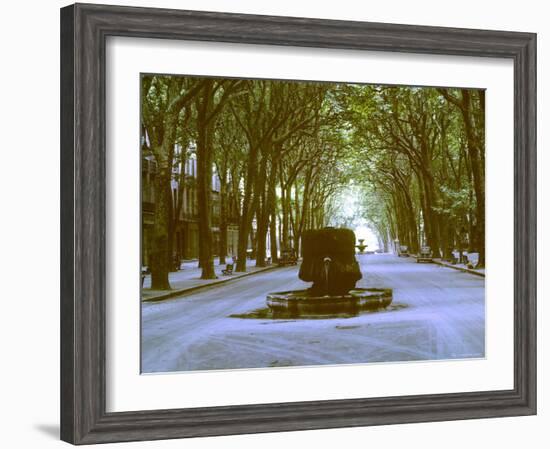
<point x="289" y="154"/>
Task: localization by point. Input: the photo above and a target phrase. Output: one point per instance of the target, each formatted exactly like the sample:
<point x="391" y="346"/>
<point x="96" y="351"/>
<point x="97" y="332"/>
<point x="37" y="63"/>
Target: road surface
<point x="437" y="313"/>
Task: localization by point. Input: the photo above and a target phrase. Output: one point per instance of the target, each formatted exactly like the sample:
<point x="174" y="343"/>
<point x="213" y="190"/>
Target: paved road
<point x="437" y="313"/>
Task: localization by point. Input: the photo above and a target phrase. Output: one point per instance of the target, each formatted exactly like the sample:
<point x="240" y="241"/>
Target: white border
<point x="127" y="390"/>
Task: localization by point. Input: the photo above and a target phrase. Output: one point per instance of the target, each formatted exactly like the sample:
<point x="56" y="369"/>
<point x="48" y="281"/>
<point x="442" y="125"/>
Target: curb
<point x="186" y="291"/>
<point x="464" y="270"/>
<point x="454" y="267"/>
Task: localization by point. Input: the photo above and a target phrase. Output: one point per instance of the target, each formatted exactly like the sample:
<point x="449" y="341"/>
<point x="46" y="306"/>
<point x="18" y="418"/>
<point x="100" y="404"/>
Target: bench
<point x="288" y="257"/>
<point x="473" y="260"/>
<point x="144" y="272"/>
<point x="176" y="263"/>
<point x="403" y="251"/>
<point x="455" y="257"/>
<point x="424" y="255"/>
<point x="228" y="269"/>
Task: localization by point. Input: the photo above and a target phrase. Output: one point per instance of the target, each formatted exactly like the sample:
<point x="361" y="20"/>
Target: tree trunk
<point x="261" y="237"/>
<point x="245" y="223"/>
<point x="272" y="213"/>
<point x="160" y="251"/>
<point x="261" y="214"/>
<point x="295" y="221"/>
<point x="430" y="219"/>
<point x="285" y="222"/>
<point x="476" y="161"/>
<point x="178" y="204"/>
<point x="412" y="226"/>
<point x="273" y="237"/>
<point x="204" y="184"/>
<point x="223" y="219"/>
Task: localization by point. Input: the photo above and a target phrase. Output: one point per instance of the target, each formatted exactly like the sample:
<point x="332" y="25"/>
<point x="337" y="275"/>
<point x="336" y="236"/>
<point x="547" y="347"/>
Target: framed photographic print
<point x="274" y="223"/>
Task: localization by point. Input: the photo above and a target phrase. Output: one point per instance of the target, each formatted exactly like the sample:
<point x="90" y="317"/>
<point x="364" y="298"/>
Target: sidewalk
<point x="458" y="266"/>
<point x="188" y="280"/>
<point x="461" y="267"/>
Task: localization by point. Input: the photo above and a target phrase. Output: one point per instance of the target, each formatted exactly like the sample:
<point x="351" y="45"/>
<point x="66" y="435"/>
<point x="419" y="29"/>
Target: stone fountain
<point x="361" y="247"/>
<point x="329" y="262"/>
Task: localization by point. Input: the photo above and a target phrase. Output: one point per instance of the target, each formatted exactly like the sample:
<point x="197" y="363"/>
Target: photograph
<point x="276" y="223"/>
<point x="296" y="223"/>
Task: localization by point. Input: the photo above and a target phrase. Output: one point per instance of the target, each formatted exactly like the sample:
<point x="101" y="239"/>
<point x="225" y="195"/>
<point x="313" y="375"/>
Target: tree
<point x="287" y="155"/>
<point x="163" y="100"/>
<point x="471" y="104"/>
<point x="270" y="114"/>
<point x="229" y="159"/>
<point x="209" y="103"/>
<point x="414" y="141"/>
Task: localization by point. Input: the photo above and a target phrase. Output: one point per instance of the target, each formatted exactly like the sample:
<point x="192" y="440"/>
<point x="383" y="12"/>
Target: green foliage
<point x="406" y="160"/>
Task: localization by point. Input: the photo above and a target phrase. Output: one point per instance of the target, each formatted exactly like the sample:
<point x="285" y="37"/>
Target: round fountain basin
<point x="299" y="303"/>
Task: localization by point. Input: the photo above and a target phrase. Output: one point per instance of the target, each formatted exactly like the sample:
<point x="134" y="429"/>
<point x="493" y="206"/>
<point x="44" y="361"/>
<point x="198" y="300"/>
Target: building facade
<point x="184" y="206"/>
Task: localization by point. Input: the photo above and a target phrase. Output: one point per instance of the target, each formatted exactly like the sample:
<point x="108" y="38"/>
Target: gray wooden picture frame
<point x="84" y="29"/>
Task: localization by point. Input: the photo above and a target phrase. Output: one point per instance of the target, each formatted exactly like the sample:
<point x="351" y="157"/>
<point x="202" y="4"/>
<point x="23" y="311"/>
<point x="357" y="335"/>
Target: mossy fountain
<point x="361" y="247"/>
<point x="329" y="262"/>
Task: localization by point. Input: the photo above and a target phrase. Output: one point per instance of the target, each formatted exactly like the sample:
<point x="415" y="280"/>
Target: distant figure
<point x="329" y="261"/>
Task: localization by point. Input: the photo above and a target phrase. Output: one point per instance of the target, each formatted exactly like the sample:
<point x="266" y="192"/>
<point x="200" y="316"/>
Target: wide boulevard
<point x="437" y="313"/>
